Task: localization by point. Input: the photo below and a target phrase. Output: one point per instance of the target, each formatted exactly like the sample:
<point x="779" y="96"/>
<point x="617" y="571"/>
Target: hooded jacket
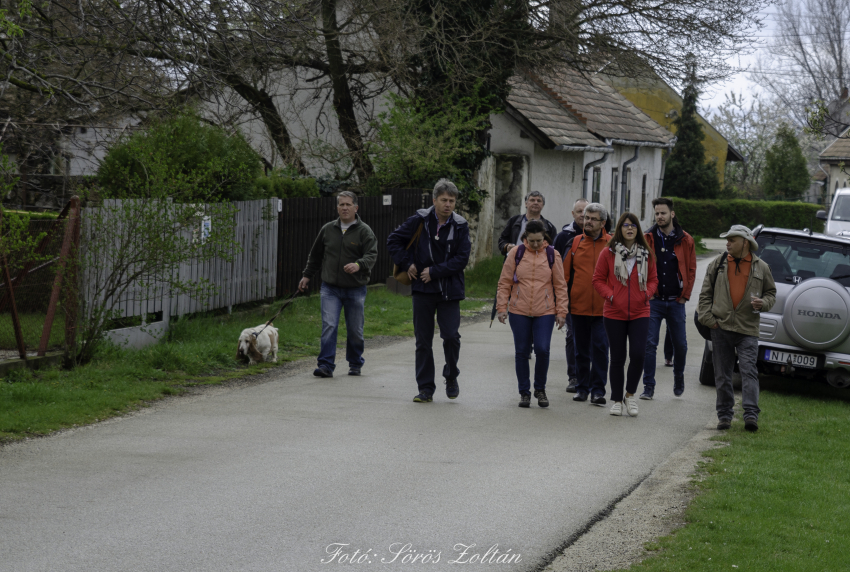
<point x="584" y="299"/>
<point x="446" y="253"/>
<point x="567" y="233"/>
<point x="511" y="233"/>
<point x="623" y="302"/>
<point x="686" y="255"/>
<point x="539" y="290"/>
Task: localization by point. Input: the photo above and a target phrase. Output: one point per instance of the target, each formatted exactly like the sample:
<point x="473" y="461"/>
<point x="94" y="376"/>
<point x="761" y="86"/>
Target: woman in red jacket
<point x="625" y="276"/>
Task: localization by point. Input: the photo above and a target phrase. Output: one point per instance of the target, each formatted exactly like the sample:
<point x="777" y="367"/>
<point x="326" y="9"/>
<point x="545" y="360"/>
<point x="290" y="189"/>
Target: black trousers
<point x="618" y="331"/>
<point x="425" y="306"/>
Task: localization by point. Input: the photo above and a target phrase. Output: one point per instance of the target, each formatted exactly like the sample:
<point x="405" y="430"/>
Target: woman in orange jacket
<point x="533" y="295"/>
<point x="625" y="276"/>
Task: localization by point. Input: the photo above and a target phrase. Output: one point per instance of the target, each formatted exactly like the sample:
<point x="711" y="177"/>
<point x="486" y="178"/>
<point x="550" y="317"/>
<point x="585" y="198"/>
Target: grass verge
<point x="701" y="248"/>
<point x="775" y="499"/>
<point x="197" y="350"/>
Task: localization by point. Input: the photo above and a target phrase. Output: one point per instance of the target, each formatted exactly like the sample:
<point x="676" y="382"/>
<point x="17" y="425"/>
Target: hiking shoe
<point x="423" y="398"/>
<point x="724" y="424"/>
<point x="452" y="390"/>
<point x="647" y="395"/>
<point x="631" y="405"/>
<point x="354" y="370"/>
<point x="542" y="400"/>
<point x="598" y="400"/>
<point x="525" y="400"/>
<point x="668" y="363"/>
<point x="580" y="396"/>
<point x="572" y="385"/>
<point x="322" y="371"/>
<point x="617" y="408"/>
<point x="751" y="425"/>
<point x="678" y="389"/>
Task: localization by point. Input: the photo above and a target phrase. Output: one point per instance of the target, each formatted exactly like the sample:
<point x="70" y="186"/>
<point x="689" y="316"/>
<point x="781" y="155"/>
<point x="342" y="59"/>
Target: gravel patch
<point x="616" y="537"/>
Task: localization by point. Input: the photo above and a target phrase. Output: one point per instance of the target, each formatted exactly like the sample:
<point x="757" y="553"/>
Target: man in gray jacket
<point x="345" y="251"/>
<point x="737" y="286"/>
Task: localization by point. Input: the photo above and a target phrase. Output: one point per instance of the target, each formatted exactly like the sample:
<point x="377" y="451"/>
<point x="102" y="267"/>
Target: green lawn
<point x="775" y="499"/>
<point x="197" y="350"/>
<point x="32" y="325"/>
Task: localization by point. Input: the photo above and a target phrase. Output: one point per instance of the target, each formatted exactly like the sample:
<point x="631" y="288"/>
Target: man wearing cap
<point x="730" y="304"/>
<point x="534" y="202"/>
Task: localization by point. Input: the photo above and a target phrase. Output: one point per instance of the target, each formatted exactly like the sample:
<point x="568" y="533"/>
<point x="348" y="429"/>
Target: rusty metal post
<point x="72" y="299"/>
<point x="19" y="336"/>
<point x="67" y="244"/>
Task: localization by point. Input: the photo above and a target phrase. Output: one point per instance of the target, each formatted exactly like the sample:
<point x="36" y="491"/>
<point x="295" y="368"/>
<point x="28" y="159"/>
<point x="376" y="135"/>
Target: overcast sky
<point x="713" y="95"/>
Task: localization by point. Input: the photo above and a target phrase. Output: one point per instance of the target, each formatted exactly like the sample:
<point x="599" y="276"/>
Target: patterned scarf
<point x="622" y="254"/>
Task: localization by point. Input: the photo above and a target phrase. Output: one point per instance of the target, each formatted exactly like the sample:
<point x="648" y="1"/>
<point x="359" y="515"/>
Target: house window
<point x="615" y="179"/>
<point x="643" y="198"/>
<point x="597" y="182"/>
<point x="627" y="202"/>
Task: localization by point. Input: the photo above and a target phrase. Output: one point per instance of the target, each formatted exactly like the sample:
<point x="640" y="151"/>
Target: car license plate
<point x="797" y="360"/>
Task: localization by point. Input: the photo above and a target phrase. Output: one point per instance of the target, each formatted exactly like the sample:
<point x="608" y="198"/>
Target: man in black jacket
<point x="345" y="251"/>
<point x="435" y="263"/>
<point x="516" y="225"/>
<point x="567" y="233"/>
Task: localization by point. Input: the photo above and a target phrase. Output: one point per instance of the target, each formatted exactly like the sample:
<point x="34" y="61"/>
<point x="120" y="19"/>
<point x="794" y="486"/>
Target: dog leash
<point x="285" y="304"/>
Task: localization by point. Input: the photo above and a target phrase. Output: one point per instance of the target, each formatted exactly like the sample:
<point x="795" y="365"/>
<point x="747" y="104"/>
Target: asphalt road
<point x="298" y="473"/>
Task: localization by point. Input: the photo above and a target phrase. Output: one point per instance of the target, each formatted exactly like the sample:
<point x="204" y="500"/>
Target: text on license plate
<point x="797" y="360"/>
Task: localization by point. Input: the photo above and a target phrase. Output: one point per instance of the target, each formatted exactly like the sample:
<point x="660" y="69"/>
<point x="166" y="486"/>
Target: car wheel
<point x="706" y="368"/>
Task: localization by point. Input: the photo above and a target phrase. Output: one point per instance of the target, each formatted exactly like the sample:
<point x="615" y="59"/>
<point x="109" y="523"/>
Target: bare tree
<point x="808" y="59"/>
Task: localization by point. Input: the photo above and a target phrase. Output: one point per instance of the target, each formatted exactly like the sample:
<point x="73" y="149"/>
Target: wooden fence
<point x="275" y="237"/>
<point x="301" y="219"/>
<point x="250" y="276"/>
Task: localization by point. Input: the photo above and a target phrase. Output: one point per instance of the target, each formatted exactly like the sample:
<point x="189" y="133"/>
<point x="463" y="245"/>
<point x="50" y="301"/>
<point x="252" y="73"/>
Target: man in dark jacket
<point x="345" y="250"/>
<point x="516" y="224"/>
<point x="564" y="237"/>
<point x="435" y="263"/>
<point x="676" y="262"/>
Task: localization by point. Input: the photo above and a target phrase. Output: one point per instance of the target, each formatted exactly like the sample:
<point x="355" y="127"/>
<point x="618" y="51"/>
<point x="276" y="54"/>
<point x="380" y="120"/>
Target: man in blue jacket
<point x="435" y="263"/>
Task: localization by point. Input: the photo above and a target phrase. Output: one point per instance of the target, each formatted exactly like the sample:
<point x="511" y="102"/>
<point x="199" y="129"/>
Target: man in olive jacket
<point x="730" y="304"/>
<point x="345" y="250"/>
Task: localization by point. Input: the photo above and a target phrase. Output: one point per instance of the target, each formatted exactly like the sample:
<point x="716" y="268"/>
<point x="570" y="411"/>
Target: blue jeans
<point x="530" y="331"/>
<point x="674" y="313"/>
<point x="591" y="349"/>
<point x="334" y="300"/>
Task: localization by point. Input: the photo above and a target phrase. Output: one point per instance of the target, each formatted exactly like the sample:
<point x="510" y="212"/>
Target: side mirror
<point x="821" y="215"/>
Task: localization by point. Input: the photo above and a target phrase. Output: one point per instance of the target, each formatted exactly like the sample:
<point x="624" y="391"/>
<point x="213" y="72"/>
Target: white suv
<point x="838" y="219"/>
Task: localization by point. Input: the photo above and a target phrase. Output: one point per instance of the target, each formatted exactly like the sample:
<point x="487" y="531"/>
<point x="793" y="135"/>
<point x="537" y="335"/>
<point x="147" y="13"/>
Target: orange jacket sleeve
<point x="559" y="286"/>
<point x="506" y="280"/>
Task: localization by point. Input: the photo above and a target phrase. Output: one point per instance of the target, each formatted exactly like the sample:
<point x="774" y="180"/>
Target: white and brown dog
<point x="259" y="347"/>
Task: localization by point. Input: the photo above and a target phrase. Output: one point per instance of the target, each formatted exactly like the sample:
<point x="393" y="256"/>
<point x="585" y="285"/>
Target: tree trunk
<point x="342" y="101"/>
<point x="264" y="105"/>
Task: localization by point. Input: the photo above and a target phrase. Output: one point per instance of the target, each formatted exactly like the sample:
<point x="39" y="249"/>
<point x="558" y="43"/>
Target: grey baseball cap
<point x="741" y="230"/>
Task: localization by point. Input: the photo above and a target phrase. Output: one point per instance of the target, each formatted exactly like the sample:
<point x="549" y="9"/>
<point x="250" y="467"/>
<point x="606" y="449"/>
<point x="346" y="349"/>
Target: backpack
<point x="520" y="251"/>
<point x="704" y="330"/>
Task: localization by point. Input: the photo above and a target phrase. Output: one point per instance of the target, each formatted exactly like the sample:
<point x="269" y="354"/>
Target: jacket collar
<point x="338" y="221"/>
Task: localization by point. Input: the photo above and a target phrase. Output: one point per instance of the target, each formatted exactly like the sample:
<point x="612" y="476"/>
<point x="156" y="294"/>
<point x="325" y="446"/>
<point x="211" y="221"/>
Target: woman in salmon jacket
<point x="533" y="296"/>
<point x="625" y="276"/>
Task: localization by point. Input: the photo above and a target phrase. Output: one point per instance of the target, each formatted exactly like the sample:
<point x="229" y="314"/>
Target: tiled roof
<point x="838" y="149"/>
<point x="604" y="111"/>
<point x="548" y="115"/>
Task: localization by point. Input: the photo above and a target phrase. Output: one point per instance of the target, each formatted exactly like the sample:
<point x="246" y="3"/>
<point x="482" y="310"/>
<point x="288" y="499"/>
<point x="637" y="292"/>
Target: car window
<point x="792" y="261"/>
<point x="842" y="208"/>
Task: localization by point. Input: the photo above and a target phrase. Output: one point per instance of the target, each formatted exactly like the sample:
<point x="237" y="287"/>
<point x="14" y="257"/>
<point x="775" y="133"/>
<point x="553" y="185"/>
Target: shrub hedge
<point x="710" y="218"/>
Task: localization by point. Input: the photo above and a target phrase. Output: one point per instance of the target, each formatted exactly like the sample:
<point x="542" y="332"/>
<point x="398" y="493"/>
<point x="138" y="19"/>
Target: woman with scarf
<point x="625" y="276"/>
<point x="533" y="295"/>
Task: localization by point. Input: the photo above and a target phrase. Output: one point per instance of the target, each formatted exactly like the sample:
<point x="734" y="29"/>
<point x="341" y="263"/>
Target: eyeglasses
<point x="589" y="219"/>
<point x="629" y="225"/>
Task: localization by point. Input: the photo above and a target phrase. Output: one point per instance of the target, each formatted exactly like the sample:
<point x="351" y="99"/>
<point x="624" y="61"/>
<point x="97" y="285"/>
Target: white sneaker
<point x="631" y="406"/>
<point x="617" y="408"/>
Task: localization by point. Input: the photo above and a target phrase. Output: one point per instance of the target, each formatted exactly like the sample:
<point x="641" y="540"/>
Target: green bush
<point x="282" y="185"/>
<point x="203" y="161"/>
<point x="711" y="218"/>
